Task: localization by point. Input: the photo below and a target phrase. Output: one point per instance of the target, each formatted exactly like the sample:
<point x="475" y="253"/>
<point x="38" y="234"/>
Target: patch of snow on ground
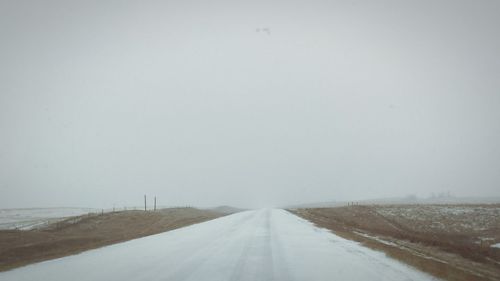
<point x="25" y="219"/>
<point x="457" y="218"/>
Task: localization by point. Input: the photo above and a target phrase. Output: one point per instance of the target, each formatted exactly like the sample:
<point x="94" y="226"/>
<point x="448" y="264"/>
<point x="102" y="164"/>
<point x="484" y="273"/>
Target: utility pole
<point x="155" y="204"/>
<point x="145" y="202"/>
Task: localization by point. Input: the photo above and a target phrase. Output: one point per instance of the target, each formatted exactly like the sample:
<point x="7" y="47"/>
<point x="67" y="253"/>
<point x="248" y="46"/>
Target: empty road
<point x="254" y="245"/>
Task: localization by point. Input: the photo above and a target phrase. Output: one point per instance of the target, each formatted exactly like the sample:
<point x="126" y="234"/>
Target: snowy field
<point x="25" y="219"/>
<point x="252" y="245"/>
<point x="445" y="218"/>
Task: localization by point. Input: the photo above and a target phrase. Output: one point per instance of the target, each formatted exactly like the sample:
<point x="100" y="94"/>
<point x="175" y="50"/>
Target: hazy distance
<point x="247" y="103"/>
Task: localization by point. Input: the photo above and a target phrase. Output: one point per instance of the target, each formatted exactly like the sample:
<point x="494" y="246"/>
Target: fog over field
<point x="247" y="103"/>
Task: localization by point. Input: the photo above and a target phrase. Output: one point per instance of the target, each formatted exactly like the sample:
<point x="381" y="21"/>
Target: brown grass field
<point x="449" y="241"/>
<point x="78" y="234"/>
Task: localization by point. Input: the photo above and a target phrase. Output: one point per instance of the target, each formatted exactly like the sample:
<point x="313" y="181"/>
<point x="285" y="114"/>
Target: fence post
<point x="145" y="202"/>
<point x="155" y="204"/>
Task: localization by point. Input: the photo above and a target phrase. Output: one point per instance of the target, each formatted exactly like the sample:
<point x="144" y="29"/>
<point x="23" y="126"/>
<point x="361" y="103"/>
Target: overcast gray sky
<point x="247" y="103"/>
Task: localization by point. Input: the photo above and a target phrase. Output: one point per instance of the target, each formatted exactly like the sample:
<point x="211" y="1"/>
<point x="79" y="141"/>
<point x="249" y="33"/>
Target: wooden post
<point x="145" y="202"/>
<point x="155" y="204"/>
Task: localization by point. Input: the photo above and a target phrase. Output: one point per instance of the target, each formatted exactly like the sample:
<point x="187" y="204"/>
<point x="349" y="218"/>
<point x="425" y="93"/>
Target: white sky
<point x="103" y="101"/>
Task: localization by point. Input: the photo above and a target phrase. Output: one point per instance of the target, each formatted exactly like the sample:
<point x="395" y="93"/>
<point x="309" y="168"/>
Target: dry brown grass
<point x="72" y="236"/>
<point x="427" y="237"/>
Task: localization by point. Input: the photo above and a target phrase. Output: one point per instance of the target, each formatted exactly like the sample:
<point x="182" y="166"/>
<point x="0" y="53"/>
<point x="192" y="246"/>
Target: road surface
<point x="254" y="245"/>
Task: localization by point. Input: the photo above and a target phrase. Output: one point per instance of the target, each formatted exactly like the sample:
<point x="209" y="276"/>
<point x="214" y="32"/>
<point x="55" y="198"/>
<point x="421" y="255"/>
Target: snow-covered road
<point x="254" y="245"/>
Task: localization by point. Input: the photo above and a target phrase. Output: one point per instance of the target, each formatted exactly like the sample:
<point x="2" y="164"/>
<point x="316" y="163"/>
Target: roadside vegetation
<point x="454" y="242"/>
<point x="81" y="233"/>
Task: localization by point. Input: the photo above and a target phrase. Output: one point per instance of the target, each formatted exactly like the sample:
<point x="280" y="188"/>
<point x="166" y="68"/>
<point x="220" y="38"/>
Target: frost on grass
<point x="445" y="218"/>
